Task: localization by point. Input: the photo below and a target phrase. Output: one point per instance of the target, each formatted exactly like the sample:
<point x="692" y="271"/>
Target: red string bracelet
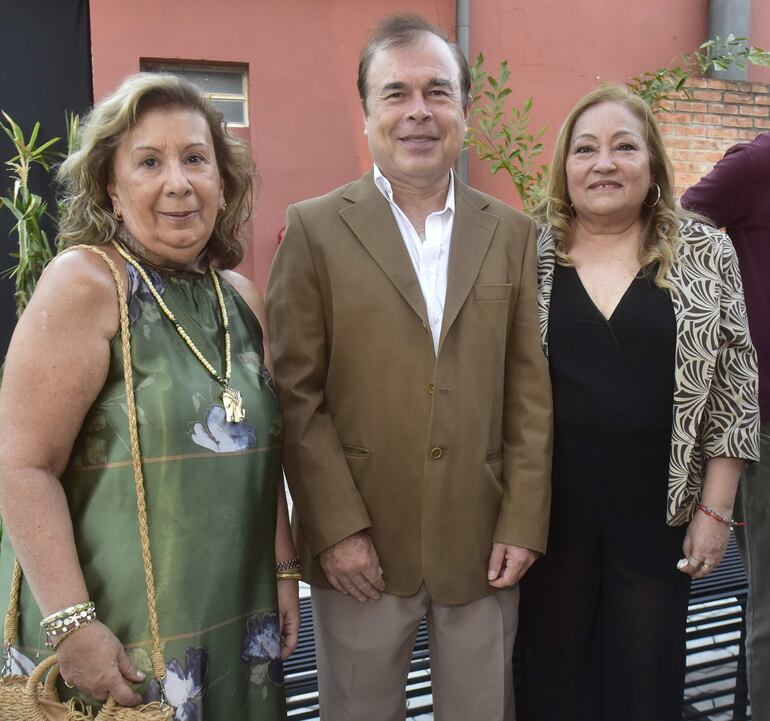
<point x="717" y="516"/>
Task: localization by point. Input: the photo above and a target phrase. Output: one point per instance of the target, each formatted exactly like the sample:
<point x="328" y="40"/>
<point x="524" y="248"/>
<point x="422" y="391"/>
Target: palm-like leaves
<point x="28" y="208"/>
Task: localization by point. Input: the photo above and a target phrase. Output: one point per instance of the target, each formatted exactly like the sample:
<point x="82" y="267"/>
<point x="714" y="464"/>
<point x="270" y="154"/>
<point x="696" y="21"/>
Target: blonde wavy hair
<point x="83" y="177"/>
<point x="660" y="222"/>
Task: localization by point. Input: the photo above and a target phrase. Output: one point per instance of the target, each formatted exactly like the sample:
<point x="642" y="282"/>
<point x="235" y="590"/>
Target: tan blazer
<point x="715" y="409"/>
<point x="436" y="455"/>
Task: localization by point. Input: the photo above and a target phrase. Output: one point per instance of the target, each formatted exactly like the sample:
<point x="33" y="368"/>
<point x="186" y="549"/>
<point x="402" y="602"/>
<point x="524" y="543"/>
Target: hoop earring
<point x="657" y="199"/>
<point x="117" y="215"/>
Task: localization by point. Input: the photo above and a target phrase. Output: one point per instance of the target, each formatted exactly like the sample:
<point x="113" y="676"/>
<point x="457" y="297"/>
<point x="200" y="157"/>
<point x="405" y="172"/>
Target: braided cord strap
<point x="11" y="630"/>
<point x="27" y="702"/>
<point x="158" y="664"/>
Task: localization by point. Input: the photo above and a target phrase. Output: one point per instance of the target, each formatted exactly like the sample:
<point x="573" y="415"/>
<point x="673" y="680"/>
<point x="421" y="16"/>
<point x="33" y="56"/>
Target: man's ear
<point x="365" y="116"/>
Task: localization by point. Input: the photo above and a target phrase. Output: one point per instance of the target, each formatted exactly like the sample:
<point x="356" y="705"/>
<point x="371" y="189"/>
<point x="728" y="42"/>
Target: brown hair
<point x="86" y="207"/>
<point x="398" y="31"/>
<point x="660" y="222"/>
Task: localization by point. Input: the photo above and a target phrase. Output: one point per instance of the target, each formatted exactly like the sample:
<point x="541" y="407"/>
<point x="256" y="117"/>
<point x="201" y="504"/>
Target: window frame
<point x="158" y="65"/>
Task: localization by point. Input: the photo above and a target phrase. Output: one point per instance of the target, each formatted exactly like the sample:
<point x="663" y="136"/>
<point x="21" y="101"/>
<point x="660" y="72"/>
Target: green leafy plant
<point x="667" y="84"/>
<point x="503" y="138"/>
<point x="28" y="208"/>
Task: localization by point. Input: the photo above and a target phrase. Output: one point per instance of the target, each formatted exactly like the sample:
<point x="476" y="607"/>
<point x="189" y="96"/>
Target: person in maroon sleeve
<point x="736" y="196"/>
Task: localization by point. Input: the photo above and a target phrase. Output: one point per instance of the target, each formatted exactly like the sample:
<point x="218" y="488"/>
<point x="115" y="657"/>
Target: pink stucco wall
<point x="305" y="120"/>
<point x="557" y="50"/>
<point x="760" y="36"/>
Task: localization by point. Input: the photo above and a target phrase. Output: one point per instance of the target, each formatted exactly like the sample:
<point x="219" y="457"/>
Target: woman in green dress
<point x="159" y="187"/>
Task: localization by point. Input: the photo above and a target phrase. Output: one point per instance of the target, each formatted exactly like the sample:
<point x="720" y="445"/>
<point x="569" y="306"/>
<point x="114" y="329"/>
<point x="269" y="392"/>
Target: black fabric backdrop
<point x="45" y="70"/>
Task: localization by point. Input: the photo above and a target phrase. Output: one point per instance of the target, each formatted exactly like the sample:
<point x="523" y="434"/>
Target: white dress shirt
<point x="430" y="253"/>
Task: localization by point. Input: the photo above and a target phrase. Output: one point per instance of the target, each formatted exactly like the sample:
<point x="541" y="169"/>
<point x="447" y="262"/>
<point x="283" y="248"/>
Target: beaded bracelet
<point x="61" y="624"/>
<point x="291" y="565"/>
<point x="69" y="611"/>
<point x="717" y="516"/>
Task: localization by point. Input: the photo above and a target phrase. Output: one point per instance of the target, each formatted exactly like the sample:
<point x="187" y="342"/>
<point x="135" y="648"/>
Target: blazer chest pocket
<point x="356" y="451"/>
<point x="492" y="291"/>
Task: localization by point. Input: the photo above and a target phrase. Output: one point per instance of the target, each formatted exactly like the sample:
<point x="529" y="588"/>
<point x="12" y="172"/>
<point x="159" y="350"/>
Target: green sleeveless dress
<point x="211" y="495"/>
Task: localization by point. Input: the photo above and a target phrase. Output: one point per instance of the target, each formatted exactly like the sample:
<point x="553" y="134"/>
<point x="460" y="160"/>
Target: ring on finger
<point x="707" y="565"/>
<point x="695" y="561"/>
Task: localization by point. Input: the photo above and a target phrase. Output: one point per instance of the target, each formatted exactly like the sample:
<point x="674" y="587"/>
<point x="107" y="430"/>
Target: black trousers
<point x="603" y="614"/>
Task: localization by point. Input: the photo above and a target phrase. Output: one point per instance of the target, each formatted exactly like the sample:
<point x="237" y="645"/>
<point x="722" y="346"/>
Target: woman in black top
<point x="654" y="383"/>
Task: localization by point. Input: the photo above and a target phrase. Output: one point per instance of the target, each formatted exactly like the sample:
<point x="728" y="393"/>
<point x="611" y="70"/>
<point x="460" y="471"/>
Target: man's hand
<point x="353" y="567"/>
<point x="507" y="564"/>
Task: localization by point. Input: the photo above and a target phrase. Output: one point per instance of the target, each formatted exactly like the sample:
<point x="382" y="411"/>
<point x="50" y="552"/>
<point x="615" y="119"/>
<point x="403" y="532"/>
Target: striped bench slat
<point x="715" y="627"/>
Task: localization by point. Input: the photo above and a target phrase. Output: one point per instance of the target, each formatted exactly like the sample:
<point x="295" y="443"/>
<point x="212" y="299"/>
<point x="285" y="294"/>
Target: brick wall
<point x="719" y="114"/>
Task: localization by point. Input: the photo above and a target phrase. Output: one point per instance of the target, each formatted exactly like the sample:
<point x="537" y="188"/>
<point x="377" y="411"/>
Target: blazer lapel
<point x="472" y="233"/>
<point x="371" y="220"/>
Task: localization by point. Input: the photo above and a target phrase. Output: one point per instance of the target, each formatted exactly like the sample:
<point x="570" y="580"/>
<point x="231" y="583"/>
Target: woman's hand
<point x="288" y="612"/>
<point x="704" y="545"/>
<point x="706" y="539"/>
<point x="94" y="661"/>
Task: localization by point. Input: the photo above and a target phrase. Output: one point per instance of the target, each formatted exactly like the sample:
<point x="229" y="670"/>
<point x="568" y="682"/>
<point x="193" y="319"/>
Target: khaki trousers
<point x="364" y="650"/>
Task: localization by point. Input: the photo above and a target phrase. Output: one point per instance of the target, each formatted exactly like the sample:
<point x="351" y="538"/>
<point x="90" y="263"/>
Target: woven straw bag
<point x="34" y="698"/>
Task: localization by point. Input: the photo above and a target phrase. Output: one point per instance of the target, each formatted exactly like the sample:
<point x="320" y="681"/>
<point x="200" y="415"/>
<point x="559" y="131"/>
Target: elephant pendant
<point x="233" y="403"/>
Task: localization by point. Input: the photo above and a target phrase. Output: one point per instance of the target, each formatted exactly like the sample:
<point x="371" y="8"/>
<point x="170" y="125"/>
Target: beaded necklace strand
<point x="231" y="398"/>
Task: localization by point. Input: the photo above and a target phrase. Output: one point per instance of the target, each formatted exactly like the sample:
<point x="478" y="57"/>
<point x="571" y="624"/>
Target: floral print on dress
<point x="183" y="685"/>
<point x="97" y="434"/>
<point x="17" y="664"/>
<point x="141" y="301"/>
<point x="251" y="360"/>
<point x="262" y="649"/>
<point x="220" y="436"/>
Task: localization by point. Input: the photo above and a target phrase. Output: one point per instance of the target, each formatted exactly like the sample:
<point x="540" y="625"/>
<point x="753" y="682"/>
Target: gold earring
<point x="657" y="199"/>
<point x="223" y="206"/>
<point x="117" y="215"/>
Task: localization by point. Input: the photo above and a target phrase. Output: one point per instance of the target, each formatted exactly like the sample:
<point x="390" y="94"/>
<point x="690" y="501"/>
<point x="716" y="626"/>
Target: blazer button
<point x="431" y="388"/>
<point x="436" y="453"/>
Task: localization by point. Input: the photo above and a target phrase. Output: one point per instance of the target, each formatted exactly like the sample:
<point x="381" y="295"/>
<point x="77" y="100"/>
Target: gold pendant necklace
<point x="231" y="398"/>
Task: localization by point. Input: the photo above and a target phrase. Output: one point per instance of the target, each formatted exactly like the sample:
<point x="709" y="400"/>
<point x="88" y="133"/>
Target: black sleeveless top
<point x="612" y="376"/>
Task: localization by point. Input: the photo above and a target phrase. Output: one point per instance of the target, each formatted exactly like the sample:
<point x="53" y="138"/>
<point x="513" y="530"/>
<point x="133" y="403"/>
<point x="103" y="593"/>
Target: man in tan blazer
<point x="404" y="334"/>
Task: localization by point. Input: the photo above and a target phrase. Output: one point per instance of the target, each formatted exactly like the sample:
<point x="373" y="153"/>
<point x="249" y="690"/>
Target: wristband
<point x="288" y="576"/>
<point x="291" y="565"/>
<point x="717" y="516"/>
<point x="61" y="624"/>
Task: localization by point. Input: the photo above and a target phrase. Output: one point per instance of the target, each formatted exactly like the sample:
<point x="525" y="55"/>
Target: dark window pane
<point x="233" y="110"/>
<point x="215" y="81"/>
<point x="209" y="80"/>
